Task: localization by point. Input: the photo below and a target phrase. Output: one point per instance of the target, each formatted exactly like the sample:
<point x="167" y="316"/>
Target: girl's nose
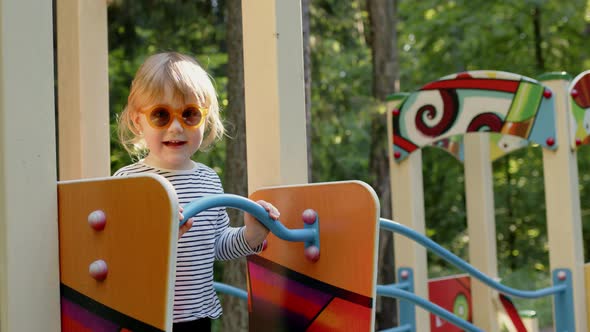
<point x="175" y="126"/>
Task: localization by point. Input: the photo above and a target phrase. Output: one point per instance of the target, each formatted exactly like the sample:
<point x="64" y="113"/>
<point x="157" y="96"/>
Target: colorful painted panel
<point x="453" y="294"/>
<point x="285" y="300"/>
<point x="500" y="145"/>
<point x="80" y="313"/>
<point x="137" y="243"/>
<point x="579" y="92"/>
<point x="477" y="101"/>
<point x="287" y="292"/>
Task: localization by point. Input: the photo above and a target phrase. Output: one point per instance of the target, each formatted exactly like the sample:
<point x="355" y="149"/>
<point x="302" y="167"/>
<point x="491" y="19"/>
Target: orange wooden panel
<point x="138" y="244"/>
<point x="348" y="213"/>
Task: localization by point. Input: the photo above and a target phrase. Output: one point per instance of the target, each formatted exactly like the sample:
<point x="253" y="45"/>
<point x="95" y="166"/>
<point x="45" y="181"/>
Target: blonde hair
<point x="186" y="78"/>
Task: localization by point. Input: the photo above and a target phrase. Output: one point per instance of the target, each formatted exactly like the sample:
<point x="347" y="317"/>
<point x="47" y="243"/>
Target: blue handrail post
<point x="315" y="227"/>
<point x="231" y="290"/>
<point x="563" y="301"/>
<point x="407" y="309"/>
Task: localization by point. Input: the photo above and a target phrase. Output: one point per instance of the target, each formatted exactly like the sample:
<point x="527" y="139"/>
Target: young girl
<point x="172" y="112"/>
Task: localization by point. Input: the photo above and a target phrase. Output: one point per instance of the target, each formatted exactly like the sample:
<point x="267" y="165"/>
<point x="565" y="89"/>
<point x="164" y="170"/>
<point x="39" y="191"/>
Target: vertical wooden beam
<point x="481" y="225"/>
<point x="29" y="262"/>
<point x="83" y="89"/>
<point x="407" y="199"/>
<point x="274" y="93"/>
<point x="562" y="197"/>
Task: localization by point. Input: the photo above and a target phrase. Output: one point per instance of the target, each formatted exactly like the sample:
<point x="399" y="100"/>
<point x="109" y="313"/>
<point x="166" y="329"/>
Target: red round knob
<point x="98" y="270"/>
<point x="264" y="244"/>
<point x="574" y="93"/>
<point x="395" y="112"/>
<point x="312" y="253"/>
<point x="397" y="154"/>
<point x="578" y="141"/>
<point x="550" y="141"/>
<point x="561" y="275"/>
<point x="404" y="274"/>
<point x="547" y="93"/>
<point x="309" y="216"/>
<point x="97" y="220"/>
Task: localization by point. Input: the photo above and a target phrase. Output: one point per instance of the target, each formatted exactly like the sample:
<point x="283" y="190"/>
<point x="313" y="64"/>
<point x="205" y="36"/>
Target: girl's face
<point x="170" y="147"/>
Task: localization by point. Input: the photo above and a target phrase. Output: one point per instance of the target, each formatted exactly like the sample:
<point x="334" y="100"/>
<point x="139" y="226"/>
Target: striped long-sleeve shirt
<point x="209" y="238"/>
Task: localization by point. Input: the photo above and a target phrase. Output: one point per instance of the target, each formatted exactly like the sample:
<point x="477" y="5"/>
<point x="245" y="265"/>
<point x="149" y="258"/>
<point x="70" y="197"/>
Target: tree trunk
<point x="307" y="78"/>
<point x="383" y="42"/>
<point x="538" y="38"/>
<point x="235" y="317"/>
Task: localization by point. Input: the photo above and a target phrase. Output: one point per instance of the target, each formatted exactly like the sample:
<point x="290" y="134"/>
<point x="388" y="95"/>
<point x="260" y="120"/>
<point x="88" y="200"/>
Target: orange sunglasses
<point x="190" y="116"/>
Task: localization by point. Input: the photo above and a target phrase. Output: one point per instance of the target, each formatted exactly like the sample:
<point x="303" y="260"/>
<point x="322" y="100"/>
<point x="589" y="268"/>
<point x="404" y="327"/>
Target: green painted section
<point x="555" y="75"/>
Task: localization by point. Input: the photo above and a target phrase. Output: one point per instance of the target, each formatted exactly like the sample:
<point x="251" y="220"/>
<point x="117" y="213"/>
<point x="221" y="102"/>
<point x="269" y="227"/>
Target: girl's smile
<point x="174" y="143"/>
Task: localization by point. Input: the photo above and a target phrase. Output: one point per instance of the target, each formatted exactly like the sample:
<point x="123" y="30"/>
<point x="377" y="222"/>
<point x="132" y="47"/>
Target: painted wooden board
<point x="287" y="292"/>
<point x="579" y="96"/>
<point x="138" y="245"/>
<point x="514" y="109"/>
<point x="453" y="293"/>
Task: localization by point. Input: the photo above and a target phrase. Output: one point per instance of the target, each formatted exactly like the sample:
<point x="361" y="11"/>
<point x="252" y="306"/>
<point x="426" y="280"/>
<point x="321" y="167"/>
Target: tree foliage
<point x="435" y="38"/>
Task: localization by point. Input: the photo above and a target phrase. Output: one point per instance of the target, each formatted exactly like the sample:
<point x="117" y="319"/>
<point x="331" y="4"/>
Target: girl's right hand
<point x="186" y="226"/>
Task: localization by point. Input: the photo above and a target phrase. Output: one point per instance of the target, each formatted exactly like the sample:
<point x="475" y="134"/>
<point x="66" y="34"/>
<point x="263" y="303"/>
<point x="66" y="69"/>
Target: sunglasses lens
<point x="192" y="116"/>
<point x="160" y="117"/>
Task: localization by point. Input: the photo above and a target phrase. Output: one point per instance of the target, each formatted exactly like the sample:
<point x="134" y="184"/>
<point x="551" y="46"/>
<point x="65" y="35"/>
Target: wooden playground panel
<point x="336" y="293"/>
<point x="137" y="245"/>
<point x="288" y="292"/>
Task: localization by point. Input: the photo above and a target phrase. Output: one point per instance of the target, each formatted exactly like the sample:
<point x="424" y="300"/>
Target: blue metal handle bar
<point x="307" y="235"/>
<point x="230" y="290"/>
<point x="401" y="328"/>
<point x="461" y="264"/>
<point x="396" y="292"/>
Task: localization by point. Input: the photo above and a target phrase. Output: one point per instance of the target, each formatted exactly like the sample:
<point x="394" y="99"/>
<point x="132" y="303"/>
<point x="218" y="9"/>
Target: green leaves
<point x="435" y="38"/>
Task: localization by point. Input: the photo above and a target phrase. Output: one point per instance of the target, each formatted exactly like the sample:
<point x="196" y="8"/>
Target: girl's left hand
<point x="255" y="231"/>
<point x="273" y="212"/>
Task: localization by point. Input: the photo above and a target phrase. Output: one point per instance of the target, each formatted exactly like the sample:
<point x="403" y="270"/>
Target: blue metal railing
<point x="309" y="234"/>
<point x="561" y="289"/>
<point x="231" y="290"/>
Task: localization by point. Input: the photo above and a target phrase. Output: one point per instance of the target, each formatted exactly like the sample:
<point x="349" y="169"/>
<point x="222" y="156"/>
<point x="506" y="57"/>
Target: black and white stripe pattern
<point x="210" y="238"/>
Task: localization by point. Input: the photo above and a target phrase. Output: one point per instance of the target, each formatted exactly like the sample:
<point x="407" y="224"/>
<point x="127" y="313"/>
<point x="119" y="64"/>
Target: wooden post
<point x="29" y="259"/>
<point x="274" y="93"/>
<point x="407" y="199"/>
<point x="562" y="197"/>
<point x="83" y="89"/>
<point x="481" y="225"/>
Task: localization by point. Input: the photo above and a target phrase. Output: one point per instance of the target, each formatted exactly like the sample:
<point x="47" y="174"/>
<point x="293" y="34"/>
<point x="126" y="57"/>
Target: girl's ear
<point x="135" y="116"/>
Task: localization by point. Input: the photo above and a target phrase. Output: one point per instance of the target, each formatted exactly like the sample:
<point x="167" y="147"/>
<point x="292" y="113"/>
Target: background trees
<point x="357" y="56"/>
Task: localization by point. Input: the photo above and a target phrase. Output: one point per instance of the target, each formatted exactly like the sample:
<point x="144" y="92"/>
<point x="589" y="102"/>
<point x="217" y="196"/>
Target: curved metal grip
<point x="395" y="292"/>
<point x="461" y="264"/>
<point x="230" y="290"/>
<point x="309" y="235"/>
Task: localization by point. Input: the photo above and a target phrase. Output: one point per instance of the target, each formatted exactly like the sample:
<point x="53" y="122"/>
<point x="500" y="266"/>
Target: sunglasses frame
<point x="176" y="113"/>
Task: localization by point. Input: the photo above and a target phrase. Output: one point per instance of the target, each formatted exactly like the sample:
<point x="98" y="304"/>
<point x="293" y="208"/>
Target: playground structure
<point x="288" y="289"/>
<point x="29" y="254"/>
<point x="30" y="278"/>
<point x="446" y="113"/>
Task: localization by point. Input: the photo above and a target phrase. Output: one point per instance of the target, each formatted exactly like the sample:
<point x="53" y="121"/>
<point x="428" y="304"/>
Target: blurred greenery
<point x="436" y="38"/>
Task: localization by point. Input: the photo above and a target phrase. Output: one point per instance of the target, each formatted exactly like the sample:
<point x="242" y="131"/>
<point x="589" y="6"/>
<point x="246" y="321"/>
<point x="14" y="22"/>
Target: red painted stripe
<point x="283" y="298"/>
<point x="474" y="83"/>
<point x="404" y="143"/>
<point x="512" y="313"/>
